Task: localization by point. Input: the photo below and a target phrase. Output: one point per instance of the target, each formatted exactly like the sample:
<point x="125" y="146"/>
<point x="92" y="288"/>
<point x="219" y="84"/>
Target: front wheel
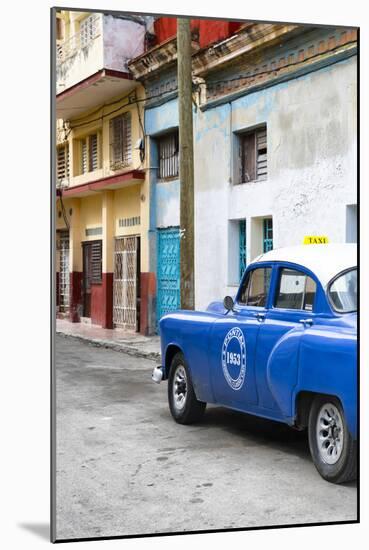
<point x="183" y="404"/>
<point x="331" y="445"/>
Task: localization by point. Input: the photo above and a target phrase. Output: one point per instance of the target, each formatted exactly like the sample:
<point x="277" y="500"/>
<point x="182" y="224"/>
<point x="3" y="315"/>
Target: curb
<point x="107" y="344"/>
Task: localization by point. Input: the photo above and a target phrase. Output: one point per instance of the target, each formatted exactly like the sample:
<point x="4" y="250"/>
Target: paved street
<point x="125" y="467"/>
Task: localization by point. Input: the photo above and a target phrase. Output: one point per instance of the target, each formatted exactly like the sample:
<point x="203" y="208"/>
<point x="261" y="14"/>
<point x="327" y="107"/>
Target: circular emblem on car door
<point x="234" y="358"/>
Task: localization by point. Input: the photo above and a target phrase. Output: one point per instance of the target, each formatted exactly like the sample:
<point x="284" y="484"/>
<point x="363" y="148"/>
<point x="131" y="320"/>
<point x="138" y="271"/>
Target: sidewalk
<point x="129" y="342"/>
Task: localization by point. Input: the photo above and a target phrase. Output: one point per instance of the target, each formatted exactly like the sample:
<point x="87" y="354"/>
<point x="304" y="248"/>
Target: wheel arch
<point x="303" y="402"/>
<point x="170" y="352"/>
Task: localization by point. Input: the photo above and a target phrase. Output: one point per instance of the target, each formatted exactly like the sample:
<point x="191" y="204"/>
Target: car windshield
<point x="343" y="292"/>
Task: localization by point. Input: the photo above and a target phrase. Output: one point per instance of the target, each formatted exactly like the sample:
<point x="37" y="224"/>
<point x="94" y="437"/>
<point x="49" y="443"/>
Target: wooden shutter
<point x="120" y="141"/>
<point x="127" y="140"/>
<point x="261" y="154"/>
<point x="63" y="162"/>
<point x="248" y="157"/>
<point x="93" y="153"/>
<point x="96" y="262"/>
<point x="83" y="156"/>
<point x="59" y="29"/>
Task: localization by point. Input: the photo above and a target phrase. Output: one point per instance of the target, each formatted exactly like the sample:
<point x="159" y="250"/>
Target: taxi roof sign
<point x="316" y="239"/>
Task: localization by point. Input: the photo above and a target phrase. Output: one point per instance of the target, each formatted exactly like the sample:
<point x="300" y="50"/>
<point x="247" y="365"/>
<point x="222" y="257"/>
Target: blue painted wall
<point x="165" y="198"/>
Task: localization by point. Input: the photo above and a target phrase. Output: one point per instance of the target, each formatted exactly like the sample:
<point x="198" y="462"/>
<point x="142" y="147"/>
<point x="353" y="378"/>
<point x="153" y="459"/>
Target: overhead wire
<point x="210" y="83"/>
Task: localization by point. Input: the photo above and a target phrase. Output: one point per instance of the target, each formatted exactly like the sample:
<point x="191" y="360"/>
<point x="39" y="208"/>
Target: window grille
<point x="253" y="155"/>
<point x="267" y="234"/>
<point x="64" y="271"/>
<point x="120" y="141"/>
<point x="88" y="30"/>
<point x="62" y="162"/>
<point x="168" y="150"/>
<point x="242" y="256"/>
<point x="96" y="262"/>
<point x="125" y="282"/>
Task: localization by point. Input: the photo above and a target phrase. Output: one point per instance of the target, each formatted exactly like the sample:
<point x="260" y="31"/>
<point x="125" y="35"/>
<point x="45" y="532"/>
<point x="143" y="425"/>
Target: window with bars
<point x="267" y="234"/>
<point x="120" y="141"/>
<point x="62" y="162"/>
<point x="168" y="153"/>
<point x="242" y="247"/>
<point x="90" y="160"/>
<point x="252" y="155"/>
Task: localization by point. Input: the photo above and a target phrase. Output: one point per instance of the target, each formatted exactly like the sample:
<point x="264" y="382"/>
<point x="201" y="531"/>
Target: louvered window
<point x="83" y="156"/>
<point x="93" y="153"/>
<point x="120" y="141"/>
<point x="168" y="151"/>
<point x="62" y="162"/>
<point x="90" y="160"/>
<point x="96" y="262"/>
<point x="253" y="155"/>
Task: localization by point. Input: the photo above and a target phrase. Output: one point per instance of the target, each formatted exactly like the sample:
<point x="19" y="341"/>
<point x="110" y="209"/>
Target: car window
<point x="296" y="290"/>
<point x="343" y="292"/>
<point x="255" y="287"/>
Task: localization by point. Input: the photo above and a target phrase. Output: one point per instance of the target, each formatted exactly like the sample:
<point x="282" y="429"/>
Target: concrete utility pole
<point x="186" y="170"/>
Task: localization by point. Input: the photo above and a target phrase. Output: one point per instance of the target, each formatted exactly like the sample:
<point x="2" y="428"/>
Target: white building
<point x="275" y="147"/>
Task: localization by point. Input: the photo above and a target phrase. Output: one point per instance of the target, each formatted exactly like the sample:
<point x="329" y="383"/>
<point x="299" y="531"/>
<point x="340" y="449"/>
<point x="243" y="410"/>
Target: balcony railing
<point x="90" y="29"/>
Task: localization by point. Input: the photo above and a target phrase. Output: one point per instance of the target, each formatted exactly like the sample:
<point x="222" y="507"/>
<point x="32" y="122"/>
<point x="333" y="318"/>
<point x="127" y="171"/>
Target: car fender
<point x="189" y="332"/>
<point x="328" y="365"/>
<point x="282" y="369"/>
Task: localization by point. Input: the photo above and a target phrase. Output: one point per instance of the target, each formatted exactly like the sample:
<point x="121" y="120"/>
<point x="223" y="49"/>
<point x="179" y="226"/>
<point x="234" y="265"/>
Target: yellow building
<point x="103" y="194"/>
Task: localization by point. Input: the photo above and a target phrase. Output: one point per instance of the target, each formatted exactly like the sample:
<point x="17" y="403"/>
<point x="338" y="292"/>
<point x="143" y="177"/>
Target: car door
<point x="233" y="342"/>
<point x="291" y="311"/>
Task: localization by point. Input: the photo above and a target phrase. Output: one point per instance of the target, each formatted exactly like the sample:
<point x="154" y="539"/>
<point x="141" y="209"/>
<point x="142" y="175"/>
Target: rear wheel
<point x="331" y="445"/>
<point x="183" y="404"/>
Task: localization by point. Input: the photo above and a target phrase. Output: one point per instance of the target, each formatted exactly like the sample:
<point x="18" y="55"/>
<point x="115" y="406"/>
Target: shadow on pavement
<point x="40" y="529"/>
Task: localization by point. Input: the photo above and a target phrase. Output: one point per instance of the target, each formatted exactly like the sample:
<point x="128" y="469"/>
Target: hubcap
<point x="180" y="387"/>
<point x="329" y="433"/>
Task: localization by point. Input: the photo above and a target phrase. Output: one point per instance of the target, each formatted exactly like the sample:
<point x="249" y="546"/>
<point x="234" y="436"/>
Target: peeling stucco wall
<point x="159" y="120"/>
<point x="116" y="41"/>
<point x="123" y="40"/>
<point x="311" y="134"/>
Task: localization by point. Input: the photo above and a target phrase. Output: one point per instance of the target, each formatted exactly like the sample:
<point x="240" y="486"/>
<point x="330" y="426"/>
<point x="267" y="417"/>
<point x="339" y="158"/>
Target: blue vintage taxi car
<point x="284" y="349"/>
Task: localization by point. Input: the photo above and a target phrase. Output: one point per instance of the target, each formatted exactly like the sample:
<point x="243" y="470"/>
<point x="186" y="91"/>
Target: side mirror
<point x="228" y="303"/>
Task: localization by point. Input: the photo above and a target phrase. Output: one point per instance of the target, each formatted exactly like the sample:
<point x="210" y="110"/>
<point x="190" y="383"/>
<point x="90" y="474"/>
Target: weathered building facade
<point x="275" y="145"/>
<point x="157" y="70"/>
<point x="274" y="110"/>
<point x="103" y="198"/>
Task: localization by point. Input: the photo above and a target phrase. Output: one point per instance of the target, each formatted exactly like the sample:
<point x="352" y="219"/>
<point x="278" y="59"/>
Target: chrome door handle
<point x="260" y="316"/>
<point x="306" y="322"/>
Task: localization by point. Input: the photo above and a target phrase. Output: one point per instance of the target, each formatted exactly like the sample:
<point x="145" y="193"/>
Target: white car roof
<point x="324" y="260"/>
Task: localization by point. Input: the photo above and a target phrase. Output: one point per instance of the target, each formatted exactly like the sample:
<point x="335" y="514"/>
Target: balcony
<point x="92" y="61"/>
